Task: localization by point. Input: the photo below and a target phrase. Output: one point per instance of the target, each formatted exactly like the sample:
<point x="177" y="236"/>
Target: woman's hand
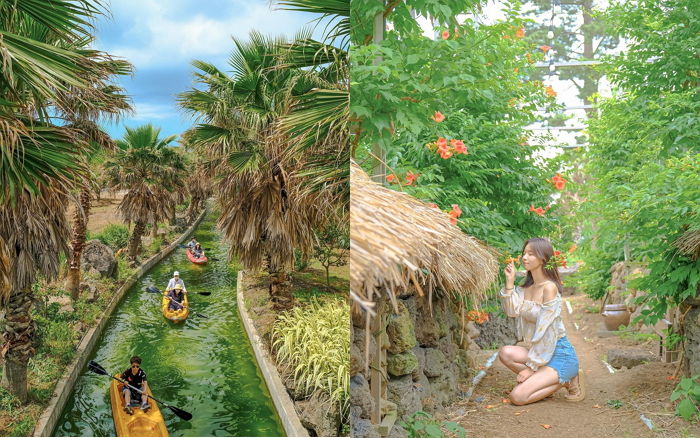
<point x="524" y="375"/>
<point x="510" y="275"/>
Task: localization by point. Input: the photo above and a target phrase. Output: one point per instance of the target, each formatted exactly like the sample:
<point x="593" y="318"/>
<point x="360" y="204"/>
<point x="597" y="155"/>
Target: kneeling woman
<point x="550" y="362"/>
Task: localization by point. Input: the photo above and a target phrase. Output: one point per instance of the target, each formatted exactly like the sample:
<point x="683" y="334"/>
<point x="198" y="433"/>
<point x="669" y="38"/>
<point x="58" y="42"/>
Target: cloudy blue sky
<point x="161" y="37"/>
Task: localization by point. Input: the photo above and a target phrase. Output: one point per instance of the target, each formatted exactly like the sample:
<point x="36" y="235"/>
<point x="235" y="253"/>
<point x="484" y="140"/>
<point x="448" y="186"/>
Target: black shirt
<point x="134" y="380"/>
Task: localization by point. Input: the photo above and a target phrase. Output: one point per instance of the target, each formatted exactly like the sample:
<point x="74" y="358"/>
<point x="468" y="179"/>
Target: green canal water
<point x="204" y="366"/>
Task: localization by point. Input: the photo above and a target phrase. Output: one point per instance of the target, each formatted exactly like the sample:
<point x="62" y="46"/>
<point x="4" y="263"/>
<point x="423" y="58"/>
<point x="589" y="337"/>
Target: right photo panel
<point x="525" y="218"/>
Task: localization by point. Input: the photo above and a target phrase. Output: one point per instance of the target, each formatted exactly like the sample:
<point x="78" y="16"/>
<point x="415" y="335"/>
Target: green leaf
<point x="686" y="409"/>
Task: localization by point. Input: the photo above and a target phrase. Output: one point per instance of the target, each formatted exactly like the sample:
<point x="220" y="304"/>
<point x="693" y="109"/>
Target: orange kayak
<point x="199" y="261"/>
<point x="140" y="423"/>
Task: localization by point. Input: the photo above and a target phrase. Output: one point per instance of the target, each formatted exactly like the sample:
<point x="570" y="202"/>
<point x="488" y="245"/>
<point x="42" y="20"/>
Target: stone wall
<point x="691" y="344"/>
<point x="427" y="354"/>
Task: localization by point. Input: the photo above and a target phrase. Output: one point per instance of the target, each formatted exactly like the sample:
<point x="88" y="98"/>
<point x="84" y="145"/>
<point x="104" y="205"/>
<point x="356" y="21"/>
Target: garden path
<point x="611" y="408"/>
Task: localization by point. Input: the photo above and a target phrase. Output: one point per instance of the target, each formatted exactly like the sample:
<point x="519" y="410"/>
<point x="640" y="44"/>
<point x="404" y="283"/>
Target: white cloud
<point x="164" y="38"/>
<point x="149" y="111"/>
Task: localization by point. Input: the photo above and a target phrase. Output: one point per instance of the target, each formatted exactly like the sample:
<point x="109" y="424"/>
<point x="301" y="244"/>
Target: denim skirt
<point x="564" y="360"/>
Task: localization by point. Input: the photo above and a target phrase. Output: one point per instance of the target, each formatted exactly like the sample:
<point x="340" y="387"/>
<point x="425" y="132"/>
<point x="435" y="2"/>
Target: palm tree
<point x="102" y="100"/>
<point x="265" y="214"/>
<point x="45" y="72"/>
<point x="318" y="119"/>
<point x="150" y="171"/>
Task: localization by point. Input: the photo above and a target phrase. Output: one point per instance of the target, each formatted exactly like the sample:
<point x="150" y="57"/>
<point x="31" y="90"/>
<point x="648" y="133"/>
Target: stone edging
<point x="48" y="419"/>
<point x="280" y="396"/>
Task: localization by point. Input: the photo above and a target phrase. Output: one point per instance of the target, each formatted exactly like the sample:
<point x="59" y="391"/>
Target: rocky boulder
<point x="319" y="415"/>
<point x="619" y="358"/>
<point x="401" y="332"/>
<point x="99" y="258"/>
<point x="497" y="332"/>
<point x="402" y="363"/>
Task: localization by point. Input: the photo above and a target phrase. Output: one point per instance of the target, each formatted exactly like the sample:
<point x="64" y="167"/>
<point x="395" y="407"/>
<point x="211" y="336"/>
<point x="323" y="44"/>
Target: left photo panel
<point x="174" y="218"/>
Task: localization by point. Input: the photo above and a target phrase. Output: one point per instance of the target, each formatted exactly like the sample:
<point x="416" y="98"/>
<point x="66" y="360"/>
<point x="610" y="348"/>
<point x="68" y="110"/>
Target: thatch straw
<point x="689" y="243"/>
<point x="396" y="239"/>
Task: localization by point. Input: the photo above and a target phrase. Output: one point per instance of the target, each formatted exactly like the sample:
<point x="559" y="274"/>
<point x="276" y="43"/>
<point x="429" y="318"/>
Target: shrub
<point x="115" y="236"/>
<point x="422" y="424"/>
<point x="314" y="342"/>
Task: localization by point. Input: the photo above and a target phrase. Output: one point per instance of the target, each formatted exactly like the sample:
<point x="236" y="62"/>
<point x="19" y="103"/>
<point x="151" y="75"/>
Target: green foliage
<point x="313" y="342"/>
<point x="688" y="392"/>
<point x="422" y="425"/>
<point x="644" y="157"/>
<point x="300" y="262"/>
<point x="498" y="180"/>
<point x="114" y="235"/>
<point x="615" y="404"/>
<point x="332" y="247"/>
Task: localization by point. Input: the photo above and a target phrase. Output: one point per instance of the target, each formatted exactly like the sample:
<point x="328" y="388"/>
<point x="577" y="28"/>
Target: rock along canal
<point x="204" y="366"/>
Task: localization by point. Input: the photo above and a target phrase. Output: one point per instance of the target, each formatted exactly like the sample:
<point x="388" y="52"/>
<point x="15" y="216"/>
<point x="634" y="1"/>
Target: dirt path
<point x="612" y="406"/>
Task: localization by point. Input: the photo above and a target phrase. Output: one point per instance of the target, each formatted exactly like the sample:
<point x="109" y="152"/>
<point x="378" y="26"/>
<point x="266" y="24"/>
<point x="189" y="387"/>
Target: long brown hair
<point x="543" y="250"/>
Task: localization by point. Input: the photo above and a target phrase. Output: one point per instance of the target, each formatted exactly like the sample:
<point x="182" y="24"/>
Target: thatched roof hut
<point x="689" y="243"/>
<point x="396" y="239"/>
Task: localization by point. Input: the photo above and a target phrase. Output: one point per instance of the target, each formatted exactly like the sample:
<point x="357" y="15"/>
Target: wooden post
<point x="379" y="171"/>
<point x="376" y="377"/>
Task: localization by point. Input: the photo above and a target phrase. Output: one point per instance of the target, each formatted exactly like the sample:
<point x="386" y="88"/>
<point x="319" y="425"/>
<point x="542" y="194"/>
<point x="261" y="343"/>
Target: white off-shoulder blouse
<point x="539" y="325"/>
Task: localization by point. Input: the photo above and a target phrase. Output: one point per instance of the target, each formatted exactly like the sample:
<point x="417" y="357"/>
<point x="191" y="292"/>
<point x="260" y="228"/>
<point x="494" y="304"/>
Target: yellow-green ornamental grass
<point x="313" y="342"/>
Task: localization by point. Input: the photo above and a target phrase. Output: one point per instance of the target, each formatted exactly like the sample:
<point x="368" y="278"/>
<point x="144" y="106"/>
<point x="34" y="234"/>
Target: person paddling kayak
<point x="175" y="281"/>
<point x="191" y="245"/>
<point x="176" y="295"/>
<point x="198" y="252"/>
<point x="136" y="377"/>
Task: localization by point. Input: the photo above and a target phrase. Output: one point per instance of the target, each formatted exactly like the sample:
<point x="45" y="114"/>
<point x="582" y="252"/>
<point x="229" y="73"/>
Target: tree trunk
<point x="78" y="243"/>
<point x="328" y="275"/>
<point x="280" y="288"/>
<point x="190" y="209"/>
<point x="173" y="216"/>
<point x="135" y="240"/>
<point x="19" y="333"/>
<point x="154" y="231"/>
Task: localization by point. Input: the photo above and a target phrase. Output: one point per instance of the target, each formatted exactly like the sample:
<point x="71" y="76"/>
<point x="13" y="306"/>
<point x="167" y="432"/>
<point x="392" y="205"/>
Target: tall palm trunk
<point x="154" y="230"/>
<point x="80" y="220"/>
<point x="18" y="348"/>
<point x="135" y="239"/>
<point x="280" y="288"/>
<point x="192" y="209"/>
<point x="173" y="215"/>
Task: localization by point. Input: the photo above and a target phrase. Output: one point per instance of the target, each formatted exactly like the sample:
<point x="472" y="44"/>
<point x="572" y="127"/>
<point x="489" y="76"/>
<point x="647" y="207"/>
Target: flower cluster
<point x="410" y="178"/>
<point x="445" y="149"/>
<point x="454" y="213"/>
<point x="438" y="117"/>
<point x="477" y="316"/>
<point x="557" y="260"/>
<point x="550" y="91"/>
<point x="508" y="259"/>
<point x="545" y="48"/>
<point x="519" y="33"/>
<point x="558" y="181"/>
<point x="539" y="210"/>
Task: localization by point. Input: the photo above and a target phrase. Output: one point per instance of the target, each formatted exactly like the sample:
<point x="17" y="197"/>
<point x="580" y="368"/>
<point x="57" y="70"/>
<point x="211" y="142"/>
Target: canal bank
<point x="205" y="366"/>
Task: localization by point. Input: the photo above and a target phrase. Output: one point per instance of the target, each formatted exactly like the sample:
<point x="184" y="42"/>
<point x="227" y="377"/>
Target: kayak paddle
<point x="187" y="307"/>
<point x="155" y="290"/>
<point x="97" y="369"/>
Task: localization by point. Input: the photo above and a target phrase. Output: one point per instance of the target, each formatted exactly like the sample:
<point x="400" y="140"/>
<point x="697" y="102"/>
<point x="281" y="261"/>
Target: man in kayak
<point x="192" y="244"/>
<point x="176" y="295"/>
<point x="135" y="377"/>
<point x="175" y="281"/>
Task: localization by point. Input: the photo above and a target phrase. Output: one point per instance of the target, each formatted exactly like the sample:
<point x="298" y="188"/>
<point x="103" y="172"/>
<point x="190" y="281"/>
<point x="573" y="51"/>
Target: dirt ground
<point x="613" y="403"/>
<point x="102" y="212"/>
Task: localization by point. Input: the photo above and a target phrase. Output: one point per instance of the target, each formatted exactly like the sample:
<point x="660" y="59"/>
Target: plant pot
<point x="615" y="315"/>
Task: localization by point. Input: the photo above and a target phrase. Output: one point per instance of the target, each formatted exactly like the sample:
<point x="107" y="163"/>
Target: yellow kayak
<point x="175" y="315"/>
<point x="150" y="423"/>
